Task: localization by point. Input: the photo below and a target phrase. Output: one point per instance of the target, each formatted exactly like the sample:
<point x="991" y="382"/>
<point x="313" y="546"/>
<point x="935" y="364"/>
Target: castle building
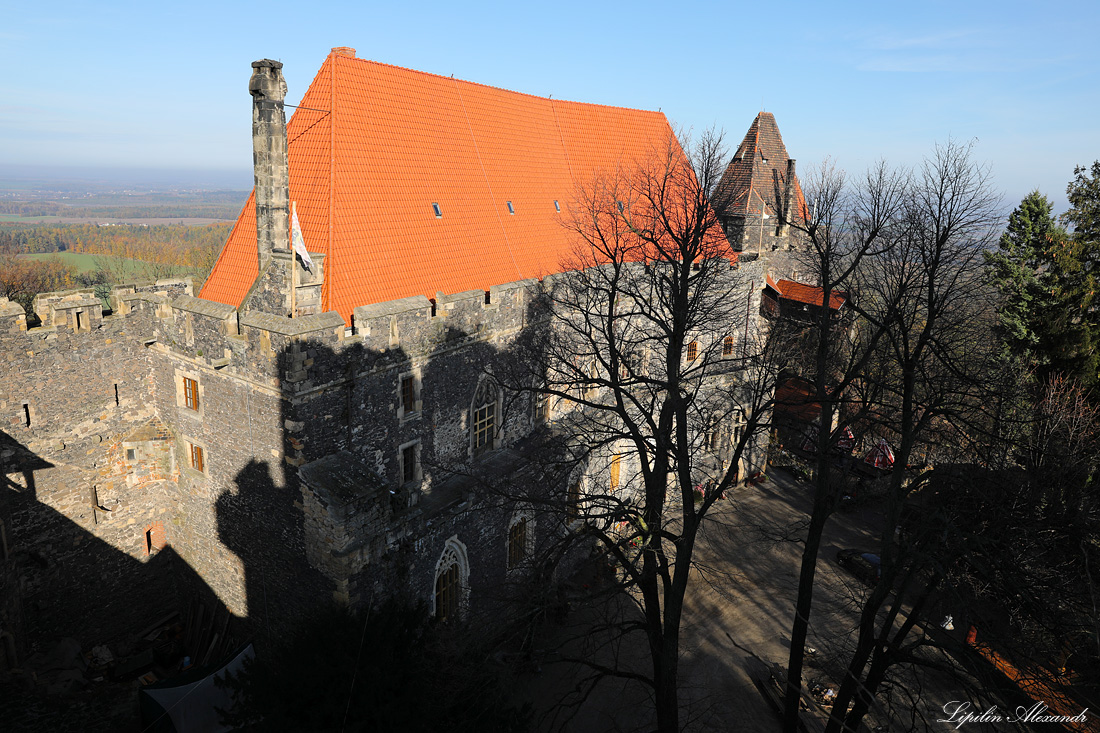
<point x="270" y="443"/>
<point x="760" y="191"/>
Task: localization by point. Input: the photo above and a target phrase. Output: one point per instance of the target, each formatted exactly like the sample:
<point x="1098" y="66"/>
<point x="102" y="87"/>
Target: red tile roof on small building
<point x="795" y="401"/>
<point x="808" y="294"/>
<point x="372" y="147"/>
<point x="757" y="174"/>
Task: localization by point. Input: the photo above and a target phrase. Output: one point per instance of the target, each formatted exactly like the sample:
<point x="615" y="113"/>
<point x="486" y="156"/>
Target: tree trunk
<point x="802" y="613"/>
<point x="668" y="703"/>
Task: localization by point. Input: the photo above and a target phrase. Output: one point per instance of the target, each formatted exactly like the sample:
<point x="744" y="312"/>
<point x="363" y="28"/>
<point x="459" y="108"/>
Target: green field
<point x="87" y="263"/>
<point x="18" y="218"/>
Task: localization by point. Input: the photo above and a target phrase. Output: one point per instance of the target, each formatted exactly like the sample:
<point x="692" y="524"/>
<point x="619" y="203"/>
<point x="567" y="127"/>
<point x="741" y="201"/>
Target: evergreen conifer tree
<point x="1071" y="322"/>
<point x="1015" y="270"/>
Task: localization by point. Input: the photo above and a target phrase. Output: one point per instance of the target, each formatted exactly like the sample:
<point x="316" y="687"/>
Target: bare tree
<point x="651" y="361"/>
<point x="848" y="227"/>
<point x="925" y="293"/>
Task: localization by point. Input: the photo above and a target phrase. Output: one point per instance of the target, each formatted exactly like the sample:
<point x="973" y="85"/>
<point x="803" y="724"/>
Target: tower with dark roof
<point x="759" y="195"/>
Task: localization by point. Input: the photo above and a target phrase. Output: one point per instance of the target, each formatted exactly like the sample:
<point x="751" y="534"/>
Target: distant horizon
<point x="165" y="178"/>
<point x="230" y="179"/>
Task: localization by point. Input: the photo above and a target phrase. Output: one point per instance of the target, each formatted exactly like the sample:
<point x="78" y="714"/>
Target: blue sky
<point x="164" y="85"/>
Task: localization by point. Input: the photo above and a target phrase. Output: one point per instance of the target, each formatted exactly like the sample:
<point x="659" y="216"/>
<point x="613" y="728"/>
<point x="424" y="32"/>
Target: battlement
<point x="275" y="350"/>
<point x="165" y="316"/>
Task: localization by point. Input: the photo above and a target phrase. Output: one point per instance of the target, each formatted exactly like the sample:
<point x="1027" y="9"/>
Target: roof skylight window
<point x="511" y="209"/>
<point x="438" y="211"/>
<point x="619" y="205"/>
<point x="557" y="206"/>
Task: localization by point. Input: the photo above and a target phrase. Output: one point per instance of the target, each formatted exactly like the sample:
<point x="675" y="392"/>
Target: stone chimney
<point x="269" y="159"/>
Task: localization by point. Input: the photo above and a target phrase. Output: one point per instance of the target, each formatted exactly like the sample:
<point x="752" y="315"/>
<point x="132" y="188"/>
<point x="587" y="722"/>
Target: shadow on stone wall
<point x="81" y="619"/>
<point x="261" y="523"/>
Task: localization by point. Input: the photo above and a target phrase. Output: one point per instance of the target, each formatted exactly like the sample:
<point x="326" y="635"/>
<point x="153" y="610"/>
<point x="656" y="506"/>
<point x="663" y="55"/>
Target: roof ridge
<point x="491" y="86"/>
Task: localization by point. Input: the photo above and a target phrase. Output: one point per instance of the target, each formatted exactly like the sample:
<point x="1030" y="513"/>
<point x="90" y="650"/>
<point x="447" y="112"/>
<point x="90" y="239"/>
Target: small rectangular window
<point x="191" y="393"/>
<point x="488" y="297"/>
<point x="408" y="464"/>
<point x="197" y="459"/>
<point x="26" y="415"/>
<point x="131" y="454"/>
<point x="79" y="320"/>
<point x="727" y="346"/>
<point x="511" y="209"/>
<point x="408" y="394"/>
<point x="616" y="461"/>
<point x="542" y="408"/>
<point x="438" y="211"/>
<point x="693" y="351"/>
<point x="116" y="395"/>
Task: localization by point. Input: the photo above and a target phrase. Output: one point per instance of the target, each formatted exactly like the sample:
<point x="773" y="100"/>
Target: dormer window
<point x="438" y="211"/>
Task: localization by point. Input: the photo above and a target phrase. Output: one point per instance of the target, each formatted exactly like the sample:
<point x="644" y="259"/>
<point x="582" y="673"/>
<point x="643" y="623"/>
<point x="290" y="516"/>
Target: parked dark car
<point x="866" y="566"/>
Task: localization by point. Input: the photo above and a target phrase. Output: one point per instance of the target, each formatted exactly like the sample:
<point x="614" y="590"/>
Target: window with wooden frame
<point x="198" y="458"/>
<point x="517" y="543"/>
<point x="452" y="575"/>
<point x="409" y="395"/>
<point x="191" y="393"/>
<point x="727" y="346"/>
<point x="542" y="408"/>
<point x="693" y="351"/>
<point x="616" y="461"/>
<point x="447" y="589"/>
<point x="483" y="427"/>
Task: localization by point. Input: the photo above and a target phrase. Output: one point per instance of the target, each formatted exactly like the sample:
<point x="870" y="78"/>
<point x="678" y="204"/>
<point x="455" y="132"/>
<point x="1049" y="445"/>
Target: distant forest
<point x="120" y="253"/>
<point x="180" y="244"/>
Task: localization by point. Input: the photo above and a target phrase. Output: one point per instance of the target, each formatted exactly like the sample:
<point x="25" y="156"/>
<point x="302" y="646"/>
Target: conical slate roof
<point x="372" y="147"/>
<point x="758" y="174"/>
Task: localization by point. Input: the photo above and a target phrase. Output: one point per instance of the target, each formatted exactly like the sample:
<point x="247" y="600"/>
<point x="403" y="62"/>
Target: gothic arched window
<point x="452" y="577"/>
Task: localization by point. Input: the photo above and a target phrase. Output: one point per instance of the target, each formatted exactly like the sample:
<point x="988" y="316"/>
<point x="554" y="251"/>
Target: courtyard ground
<point x="736" y="621"/>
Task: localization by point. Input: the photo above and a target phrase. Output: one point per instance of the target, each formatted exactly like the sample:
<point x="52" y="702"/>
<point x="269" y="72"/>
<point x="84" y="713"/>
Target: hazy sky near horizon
<point x="165" y="85"/>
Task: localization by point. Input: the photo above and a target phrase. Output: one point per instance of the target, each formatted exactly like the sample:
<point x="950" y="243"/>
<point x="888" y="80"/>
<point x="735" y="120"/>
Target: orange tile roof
<point x="809" y="294"/>
<point x="389" y="142"/>
<point x="757" y="173"/>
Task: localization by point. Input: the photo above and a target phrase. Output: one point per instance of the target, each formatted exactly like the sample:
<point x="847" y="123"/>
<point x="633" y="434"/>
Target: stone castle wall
<point x="301" y="496"/>
<point x="108" y="449"/>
